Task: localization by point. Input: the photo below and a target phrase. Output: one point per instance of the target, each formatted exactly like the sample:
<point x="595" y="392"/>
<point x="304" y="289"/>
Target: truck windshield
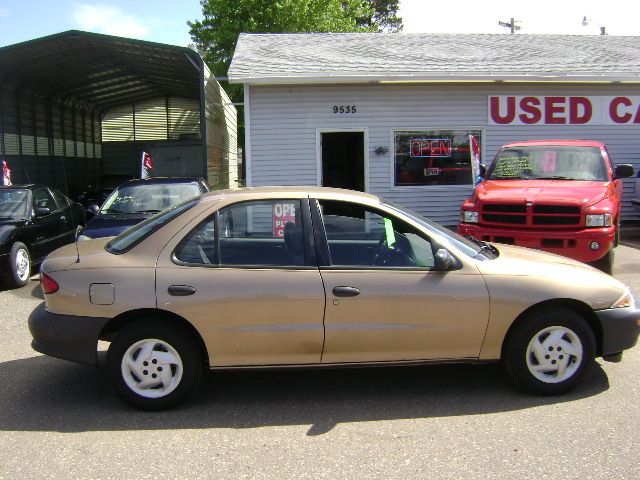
<point x="550" y="162"/>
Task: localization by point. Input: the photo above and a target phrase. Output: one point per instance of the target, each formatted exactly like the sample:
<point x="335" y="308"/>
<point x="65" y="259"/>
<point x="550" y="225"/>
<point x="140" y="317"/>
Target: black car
<point x="34" y="221"/>
<point x="137" y="200"/>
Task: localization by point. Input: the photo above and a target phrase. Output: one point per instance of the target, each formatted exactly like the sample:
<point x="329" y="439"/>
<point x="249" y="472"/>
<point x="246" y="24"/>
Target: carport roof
<point x="424" y="57"/>
<point x="100" y="70"/>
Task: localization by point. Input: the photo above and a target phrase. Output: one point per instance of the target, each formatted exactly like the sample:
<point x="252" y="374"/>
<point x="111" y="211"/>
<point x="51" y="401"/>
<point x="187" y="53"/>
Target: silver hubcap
<point x="22" y="265"/>
<point x="554" y="354"/>
<point x="152" y="368"/>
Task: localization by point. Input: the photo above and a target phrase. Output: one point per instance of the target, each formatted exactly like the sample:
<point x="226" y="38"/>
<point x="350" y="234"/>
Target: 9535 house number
<point x="344" y="109"/>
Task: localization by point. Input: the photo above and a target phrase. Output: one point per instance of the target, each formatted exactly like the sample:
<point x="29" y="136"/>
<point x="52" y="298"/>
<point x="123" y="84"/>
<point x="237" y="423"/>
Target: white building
<point x="392" y="114"/>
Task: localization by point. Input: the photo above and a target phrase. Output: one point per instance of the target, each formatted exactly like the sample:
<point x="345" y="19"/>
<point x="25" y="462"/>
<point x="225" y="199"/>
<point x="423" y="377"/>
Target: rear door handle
<point x="181" y="290"/>
<point x="346" y="291"/>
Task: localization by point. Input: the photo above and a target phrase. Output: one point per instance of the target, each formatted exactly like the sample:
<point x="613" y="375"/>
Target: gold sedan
<point x="293" y="277"/>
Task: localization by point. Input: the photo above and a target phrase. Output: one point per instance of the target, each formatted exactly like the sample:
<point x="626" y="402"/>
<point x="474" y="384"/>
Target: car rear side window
<point x="134" y="235"/>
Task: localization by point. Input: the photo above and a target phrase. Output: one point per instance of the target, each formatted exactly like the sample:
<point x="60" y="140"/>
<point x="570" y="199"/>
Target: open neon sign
<point x="430" y="147"/>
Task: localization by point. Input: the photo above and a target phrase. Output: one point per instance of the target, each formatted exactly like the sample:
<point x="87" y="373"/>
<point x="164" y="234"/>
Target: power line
<point x="510" y="25"/>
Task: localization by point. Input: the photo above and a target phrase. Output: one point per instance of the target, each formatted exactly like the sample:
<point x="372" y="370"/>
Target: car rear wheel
<point x="154" y="366"/>
<point x="19" y="266"/>
<point x="550" y="351"/>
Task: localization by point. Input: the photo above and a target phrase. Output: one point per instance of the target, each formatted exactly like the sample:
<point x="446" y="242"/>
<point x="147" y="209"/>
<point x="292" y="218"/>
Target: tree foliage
<point x="215" y="36"/>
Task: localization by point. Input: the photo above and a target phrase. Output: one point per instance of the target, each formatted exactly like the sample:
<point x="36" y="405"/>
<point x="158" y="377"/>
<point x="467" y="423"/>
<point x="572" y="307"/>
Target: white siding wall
<point x="284" y="122"/>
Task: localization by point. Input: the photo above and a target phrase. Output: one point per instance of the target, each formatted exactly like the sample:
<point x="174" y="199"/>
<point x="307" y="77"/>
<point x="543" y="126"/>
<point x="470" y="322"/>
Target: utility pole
<point x="510" y="25"/>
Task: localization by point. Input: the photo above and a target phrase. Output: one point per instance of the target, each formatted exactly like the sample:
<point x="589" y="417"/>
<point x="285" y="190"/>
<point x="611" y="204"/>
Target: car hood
<point x="568" y="192"/>
<point x="553" y="272"/>
<point x="111" y="225"/>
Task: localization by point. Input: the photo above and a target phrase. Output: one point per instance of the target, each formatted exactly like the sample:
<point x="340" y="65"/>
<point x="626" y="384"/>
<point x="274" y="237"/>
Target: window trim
<point x="408" y="188"/>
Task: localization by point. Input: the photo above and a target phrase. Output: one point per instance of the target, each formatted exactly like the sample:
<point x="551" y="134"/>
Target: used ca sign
<point x="563" y="110"/>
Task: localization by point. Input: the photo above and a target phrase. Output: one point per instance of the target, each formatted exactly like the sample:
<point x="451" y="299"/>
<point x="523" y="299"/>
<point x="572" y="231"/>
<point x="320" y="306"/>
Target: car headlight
<point x="83" y="237"/>
<point x="469" y="216"/>
<point x="601" y="220"/>
<point x="626" y="300"/>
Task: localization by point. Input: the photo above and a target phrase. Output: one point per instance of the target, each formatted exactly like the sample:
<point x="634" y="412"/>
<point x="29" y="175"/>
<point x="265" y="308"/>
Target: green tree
<point x="384" y="17"/>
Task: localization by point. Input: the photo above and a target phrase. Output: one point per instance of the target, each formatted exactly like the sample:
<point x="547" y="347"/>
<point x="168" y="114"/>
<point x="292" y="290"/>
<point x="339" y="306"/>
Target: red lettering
<point x="613" y="110"/>
<point x="445" y="147"/>
<point x="637" y="117"/>
<point x="415" y="148"/>
<point x="531" y="113"/>
<point x="579" y="105"/>
<point x="553" y="106"/>
<point x="494" y="107"/>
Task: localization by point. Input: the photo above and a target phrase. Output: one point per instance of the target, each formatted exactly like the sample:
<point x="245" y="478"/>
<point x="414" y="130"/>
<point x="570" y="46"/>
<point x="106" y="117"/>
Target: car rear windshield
<point x="134" y="235"/>
<point x="550" y="162"/>
<point x="13" y="203"/>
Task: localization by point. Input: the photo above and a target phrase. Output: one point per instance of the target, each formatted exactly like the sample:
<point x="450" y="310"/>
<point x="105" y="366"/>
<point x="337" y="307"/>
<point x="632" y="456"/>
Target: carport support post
<point x="3" y="150"/>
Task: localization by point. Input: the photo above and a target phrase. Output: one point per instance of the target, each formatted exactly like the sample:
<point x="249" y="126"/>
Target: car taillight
<point x="49" y="285"/>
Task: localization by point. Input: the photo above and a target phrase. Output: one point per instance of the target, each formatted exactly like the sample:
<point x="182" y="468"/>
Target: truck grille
<point x="539" y="215"/>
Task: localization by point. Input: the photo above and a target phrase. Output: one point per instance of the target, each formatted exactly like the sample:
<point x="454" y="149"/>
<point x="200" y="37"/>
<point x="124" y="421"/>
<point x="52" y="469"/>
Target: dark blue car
<point x="136" y="200"/>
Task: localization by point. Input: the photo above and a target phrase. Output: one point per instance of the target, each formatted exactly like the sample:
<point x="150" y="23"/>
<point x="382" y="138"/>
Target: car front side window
<point x="362" y="237"/>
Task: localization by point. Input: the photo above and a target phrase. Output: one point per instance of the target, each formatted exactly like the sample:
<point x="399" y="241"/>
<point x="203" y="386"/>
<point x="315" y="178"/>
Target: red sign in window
<point x="282" y="213"/>
<point x="430" y="148"/>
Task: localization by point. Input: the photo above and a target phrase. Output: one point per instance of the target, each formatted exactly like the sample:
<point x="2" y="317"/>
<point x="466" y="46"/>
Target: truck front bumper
<point x="573" y="244"/>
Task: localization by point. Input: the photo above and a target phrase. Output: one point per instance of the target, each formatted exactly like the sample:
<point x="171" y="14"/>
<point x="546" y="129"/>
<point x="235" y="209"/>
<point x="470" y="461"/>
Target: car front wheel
<point x="154" y="366"/>
<point x="550" y="351"/>
<point x="19" y="269"/>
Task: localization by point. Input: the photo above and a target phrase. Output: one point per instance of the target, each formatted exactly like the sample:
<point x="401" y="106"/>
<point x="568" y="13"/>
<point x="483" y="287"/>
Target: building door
<point x="343" y="160"/>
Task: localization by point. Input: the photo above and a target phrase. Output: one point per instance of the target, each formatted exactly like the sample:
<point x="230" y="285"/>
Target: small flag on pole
<point x="6" y="174"/>
<point x="147" y="165"/>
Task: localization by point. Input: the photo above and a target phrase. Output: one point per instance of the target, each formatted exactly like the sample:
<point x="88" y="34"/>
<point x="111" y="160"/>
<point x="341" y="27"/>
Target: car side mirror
<point x="42" y="211"/>
<point x="93" y="209"/>
<point x="483" y="170"/>
<point x="443" y="260"/>
<point x="623" y="170"/>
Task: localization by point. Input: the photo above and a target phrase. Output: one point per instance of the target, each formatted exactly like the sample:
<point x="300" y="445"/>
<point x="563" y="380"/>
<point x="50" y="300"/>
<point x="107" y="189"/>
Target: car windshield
<point x="549" y="162"/>
<point x="147" y="198"/>
<point x="474" y="249"/>
<point x="13" y="203"/>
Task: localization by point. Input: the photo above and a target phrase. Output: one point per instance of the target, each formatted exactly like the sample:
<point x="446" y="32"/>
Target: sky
<point x="165" y="21"/>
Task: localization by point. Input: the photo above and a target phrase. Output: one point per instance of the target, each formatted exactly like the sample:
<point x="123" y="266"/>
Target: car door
<point x="246" y="278"/>
<point x="48" y="229"/>
<point x="385" y="300"/>
<point x="68" y="216"/>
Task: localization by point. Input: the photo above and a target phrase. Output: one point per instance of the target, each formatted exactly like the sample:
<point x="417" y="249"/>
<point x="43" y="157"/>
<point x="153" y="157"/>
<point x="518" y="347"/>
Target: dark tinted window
<point x="43" y="199"/>
<point x="199" y="246"/>
<point x="363" y="237"/>
<point x="268" y="233"/>
<point x="61" y="200"/>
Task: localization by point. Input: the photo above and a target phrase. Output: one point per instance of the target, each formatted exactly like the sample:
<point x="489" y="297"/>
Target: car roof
<point x="295" y="191"/>
<point x="24" y="186"/>
<point x="161" y="181"/>
<point x="556" y="142"/>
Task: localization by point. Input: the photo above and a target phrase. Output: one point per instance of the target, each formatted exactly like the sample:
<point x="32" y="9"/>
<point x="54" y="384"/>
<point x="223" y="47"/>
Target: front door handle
<point x="346" y="291"/>
<point x="181" y="290"/>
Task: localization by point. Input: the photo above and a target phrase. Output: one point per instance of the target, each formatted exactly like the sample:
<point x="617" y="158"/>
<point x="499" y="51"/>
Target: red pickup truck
<point x="562" y="196"/>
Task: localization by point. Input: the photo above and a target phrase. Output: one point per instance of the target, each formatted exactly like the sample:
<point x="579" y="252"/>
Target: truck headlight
<point x="469" y="216"/>
<point x="602" y="220"/>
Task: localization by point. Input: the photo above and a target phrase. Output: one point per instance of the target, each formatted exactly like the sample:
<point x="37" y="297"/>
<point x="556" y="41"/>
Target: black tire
<point x="19" y="271"/>
<point x="173" y="366"/>
<point x="565" y="342"/>
<point x="605" y="264"/>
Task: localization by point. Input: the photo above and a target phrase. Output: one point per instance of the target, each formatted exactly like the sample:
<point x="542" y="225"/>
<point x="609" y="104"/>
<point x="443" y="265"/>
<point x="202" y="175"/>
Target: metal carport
<point x="59" y="94"/>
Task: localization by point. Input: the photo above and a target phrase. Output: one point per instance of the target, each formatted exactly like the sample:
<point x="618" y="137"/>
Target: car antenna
<point x="79" y="230"/>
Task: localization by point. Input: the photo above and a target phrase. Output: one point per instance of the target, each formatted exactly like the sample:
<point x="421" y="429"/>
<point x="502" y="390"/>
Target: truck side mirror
<point x="483" y="170"/>
<point x="623" y="170"/>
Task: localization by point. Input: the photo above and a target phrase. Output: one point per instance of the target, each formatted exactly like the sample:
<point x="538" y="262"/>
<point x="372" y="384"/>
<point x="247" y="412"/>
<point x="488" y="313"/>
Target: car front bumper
<point x="620" y="328"/>
<point x="68" y="337"/>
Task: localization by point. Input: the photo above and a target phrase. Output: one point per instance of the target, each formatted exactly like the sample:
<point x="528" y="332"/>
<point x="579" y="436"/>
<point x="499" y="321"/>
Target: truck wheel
<point x="154" y="365"/>
<point x="19" y="271"/>
<point x="550" y="351"/>
<point x="605" y="263"/>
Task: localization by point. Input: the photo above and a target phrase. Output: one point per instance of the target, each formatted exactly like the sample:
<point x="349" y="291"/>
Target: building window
<point x="436" y="157"/>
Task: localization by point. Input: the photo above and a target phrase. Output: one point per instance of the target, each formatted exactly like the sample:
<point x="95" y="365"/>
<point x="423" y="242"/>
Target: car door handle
<point x="181" y="290"/>
<point x="346" y="291"/>
<point x="63" y="218"/>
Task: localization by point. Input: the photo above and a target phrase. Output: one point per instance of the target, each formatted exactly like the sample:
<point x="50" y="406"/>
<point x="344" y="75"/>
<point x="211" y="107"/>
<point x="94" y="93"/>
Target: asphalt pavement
<point x="60" y="420"/>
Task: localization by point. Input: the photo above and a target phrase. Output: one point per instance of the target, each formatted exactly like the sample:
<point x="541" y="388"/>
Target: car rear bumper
<point x="573" y="244"/>
<point x="68" y="337"/>
<point x="620" y="328"/>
